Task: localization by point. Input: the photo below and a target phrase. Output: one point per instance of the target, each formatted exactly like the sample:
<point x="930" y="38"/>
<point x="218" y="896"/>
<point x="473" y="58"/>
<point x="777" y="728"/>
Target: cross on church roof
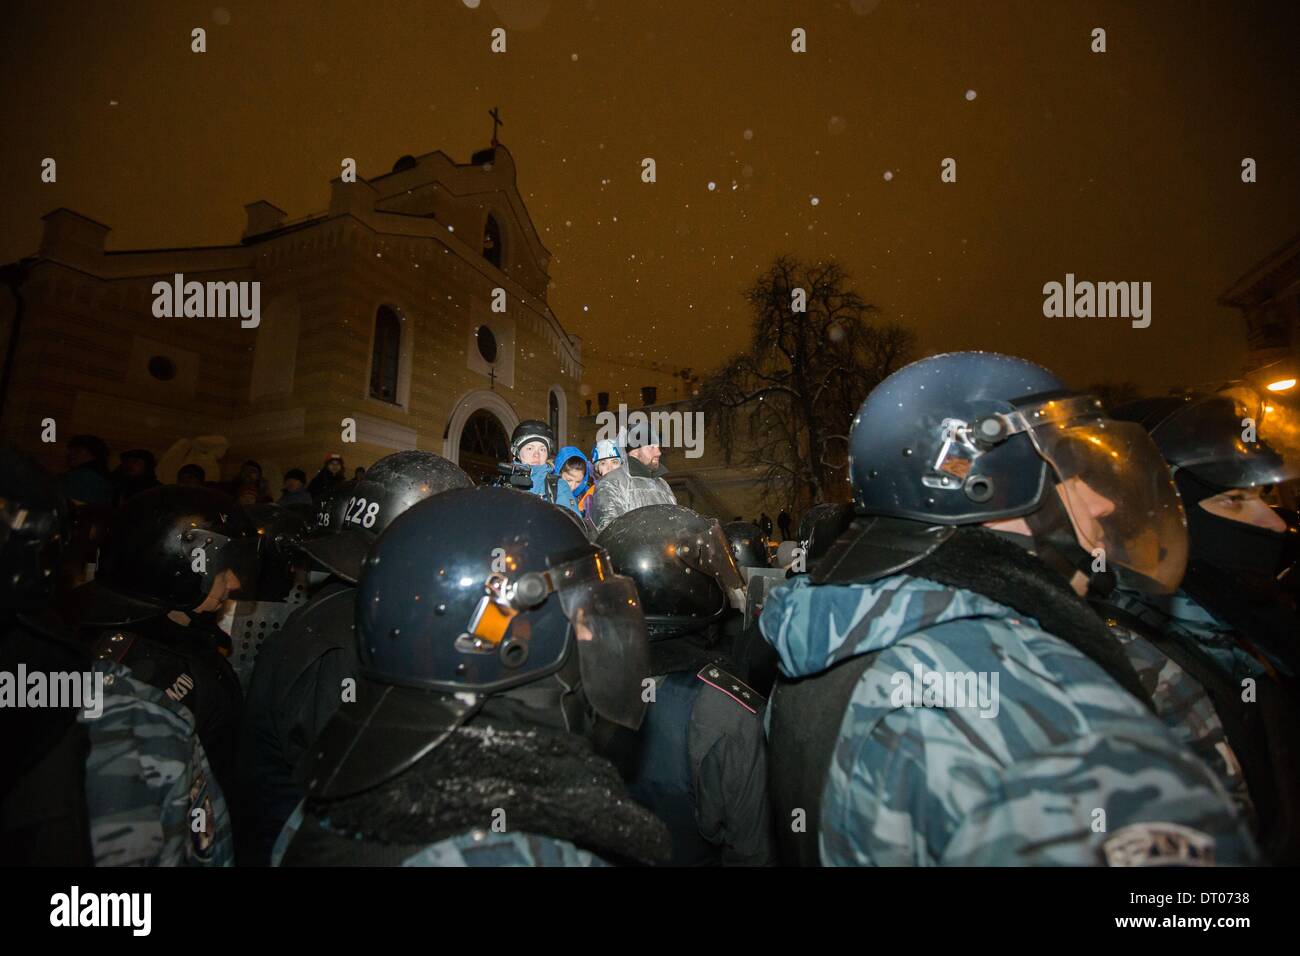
<point x="496" y="121"/>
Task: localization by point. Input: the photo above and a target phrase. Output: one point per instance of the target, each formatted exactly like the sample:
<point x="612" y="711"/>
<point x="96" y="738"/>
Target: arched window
<point x="483" y="444"/>
<point x="386" y="357"/>
<point x="492" y="241"/>
<point x="553" y="414"/>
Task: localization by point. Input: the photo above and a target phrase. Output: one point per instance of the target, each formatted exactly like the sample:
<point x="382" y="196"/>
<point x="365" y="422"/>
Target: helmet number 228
<point x="358" y="512"/>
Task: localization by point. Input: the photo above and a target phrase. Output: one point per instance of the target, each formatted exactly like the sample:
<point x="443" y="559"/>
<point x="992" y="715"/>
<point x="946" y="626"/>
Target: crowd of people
<point x="619" y="475"/>
<point x="88" y="480"/>
<point x="1042" y="632"/>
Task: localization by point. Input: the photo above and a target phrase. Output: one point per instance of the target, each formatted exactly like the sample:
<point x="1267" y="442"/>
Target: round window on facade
<point x="487" y="344"/>
<point x="162" y="368"/>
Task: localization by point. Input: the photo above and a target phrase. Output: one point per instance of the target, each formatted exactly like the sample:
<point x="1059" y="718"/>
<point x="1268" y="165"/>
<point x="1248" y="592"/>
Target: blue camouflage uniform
<point x="1180" y="617"/>
<point x="146" y="776"/>
<point x="1023" y="784"/>
<point x="476" y="847"/>
<point x="1185" y="707"/>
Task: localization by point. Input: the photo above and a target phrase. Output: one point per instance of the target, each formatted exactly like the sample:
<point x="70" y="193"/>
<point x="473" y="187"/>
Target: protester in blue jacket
<point x="574" y="468"/>
<point x="533" y="445"/>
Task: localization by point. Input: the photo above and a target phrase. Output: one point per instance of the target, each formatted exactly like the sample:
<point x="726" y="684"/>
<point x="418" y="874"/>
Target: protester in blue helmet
<point x="605" y="457"/>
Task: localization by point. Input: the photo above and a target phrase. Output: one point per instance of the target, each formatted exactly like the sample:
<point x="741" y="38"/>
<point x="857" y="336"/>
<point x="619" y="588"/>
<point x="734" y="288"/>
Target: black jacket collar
<point x="638" y="469"/>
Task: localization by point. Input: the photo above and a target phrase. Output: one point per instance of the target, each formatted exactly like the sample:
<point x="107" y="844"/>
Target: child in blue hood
<point x="574" y="472"/>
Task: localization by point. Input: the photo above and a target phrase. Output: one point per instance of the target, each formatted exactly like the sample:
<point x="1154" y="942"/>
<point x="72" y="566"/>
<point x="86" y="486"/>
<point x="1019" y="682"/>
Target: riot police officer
<point x="493" y="637"/>
<point x="1221" y="650"/>
<point x="298" y="678"/>
<point x="116" y="778"/>
<point x="698" y="761"/>
<point x="172" y="560"/>
<point x="949" y="697"/>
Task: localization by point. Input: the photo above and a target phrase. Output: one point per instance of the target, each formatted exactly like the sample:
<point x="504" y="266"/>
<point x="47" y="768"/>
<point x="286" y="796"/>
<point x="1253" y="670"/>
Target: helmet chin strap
<point x="1057" y="546"/>
<point x="556" y="699"/>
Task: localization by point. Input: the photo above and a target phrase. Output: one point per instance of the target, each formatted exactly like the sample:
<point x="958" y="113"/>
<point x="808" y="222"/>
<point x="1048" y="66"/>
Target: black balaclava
<point x="1244" y="550"/>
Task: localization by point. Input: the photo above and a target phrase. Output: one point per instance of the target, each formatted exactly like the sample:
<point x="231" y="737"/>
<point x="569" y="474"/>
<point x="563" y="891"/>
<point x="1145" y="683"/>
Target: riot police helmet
<point x="170" y="548"/>
<point x="355" y="517"/>
<point x="470" y="594"/>
<point x="682" y="565"/>
<point x="977" y="437"/>
<point x="33" y="527"/>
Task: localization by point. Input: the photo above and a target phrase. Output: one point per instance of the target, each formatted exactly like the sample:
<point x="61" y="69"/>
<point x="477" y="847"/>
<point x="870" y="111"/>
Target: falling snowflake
<point x="712" y="186"/>
<point x="573" y="57"/>
<point x="749" y="134"/>
<point x="472" y="4"/>
<point x="815" y="201"/>
<point x="970" y="94"/>
<point x="888" y="175"/>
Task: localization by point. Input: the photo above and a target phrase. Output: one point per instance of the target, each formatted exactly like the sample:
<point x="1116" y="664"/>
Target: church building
<point x="383" y="311"/>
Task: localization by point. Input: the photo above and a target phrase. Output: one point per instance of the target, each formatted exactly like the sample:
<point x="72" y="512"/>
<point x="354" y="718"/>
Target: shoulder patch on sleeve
<point x="732" y="686"/>
<point x="1158" y="844"/>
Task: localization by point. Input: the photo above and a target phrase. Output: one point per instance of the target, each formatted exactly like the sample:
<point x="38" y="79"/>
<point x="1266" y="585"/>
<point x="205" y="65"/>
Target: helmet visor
<point x="1237" y="438"/>
<point x="613" y="647"/>
<point x="1119" y="494"/>
<point x="710" y="553"/>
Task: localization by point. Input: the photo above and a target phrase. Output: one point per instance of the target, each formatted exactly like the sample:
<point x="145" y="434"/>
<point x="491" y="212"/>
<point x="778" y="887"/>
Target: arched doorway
<point x="483" y="444"/>
<point x="463" y="444"/>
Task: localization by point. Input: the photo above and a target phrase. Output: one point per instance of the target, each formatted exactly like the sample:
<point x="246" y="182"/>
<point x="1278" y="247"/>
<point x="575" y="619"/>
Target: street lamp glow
<point x="1281" y="385"/>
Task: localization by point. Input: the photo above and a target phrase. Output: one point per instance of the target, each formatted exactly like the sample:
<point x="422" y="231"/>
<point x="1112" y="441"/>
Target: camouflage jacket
<point x="150" y="794"/>
<point x="1056" y="764"/>
<point x="1182" y="618"/>
<point x="473" y="848"/>
<point x="1187" y="710"/>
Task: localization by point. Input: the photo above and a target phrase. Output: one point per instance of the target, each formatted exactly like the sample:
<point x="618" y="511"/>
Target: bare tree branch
<point x="782" y="404"/>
